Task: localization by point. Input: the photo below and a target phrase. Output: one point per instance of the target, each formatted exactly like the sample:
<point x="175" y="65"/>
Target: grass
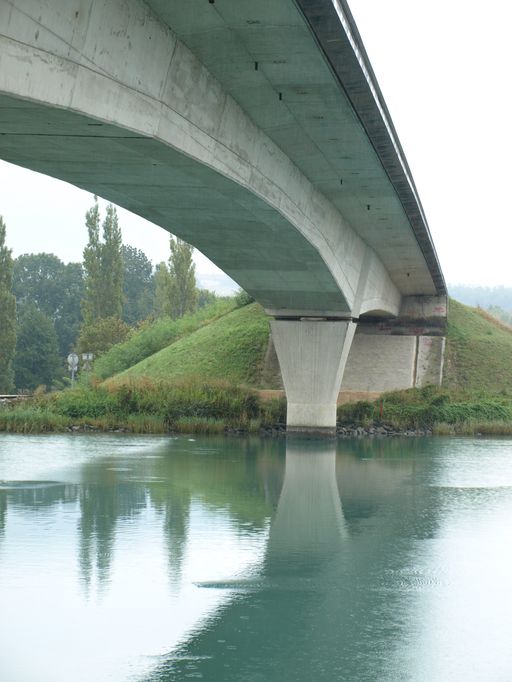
<point x="474" y="428"/>
<point x="191" y="397"/>
<point x="150" y="339"/>
<point x="478" y="353"/>
<point x="29" y="419"/>
<point x="41" y="419"/>
<point x="190" y="405"/>
<point x="215" y="407"/>
<point x="232" y="347"/>
<point x="209" y="426"/>
<point x="430" y="407"/>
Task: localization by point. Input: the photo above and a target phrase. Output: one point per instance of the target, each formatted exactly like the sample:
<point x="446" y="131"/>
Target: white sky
<point x="443" y="68"/>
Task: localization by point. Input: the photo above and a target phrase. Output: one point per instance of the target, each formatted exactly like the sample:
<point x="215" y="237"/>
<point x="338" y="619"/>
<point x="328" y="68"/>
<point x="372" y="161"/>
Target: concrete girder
<point x="81" y="92"/>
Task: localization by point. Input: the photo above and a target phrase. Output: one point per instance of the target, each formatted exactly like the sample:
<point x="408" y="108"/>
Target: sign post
<point x="87" y="359"/>
<point x="72" y="365"/>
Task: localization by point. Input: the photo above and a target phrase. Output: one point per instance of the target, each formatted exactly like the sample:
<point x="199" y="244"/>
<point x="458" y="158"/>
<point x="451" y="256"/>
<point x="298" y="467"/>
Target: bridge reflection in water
<point x="312" y="610"/>
<point x="328" y="526"/>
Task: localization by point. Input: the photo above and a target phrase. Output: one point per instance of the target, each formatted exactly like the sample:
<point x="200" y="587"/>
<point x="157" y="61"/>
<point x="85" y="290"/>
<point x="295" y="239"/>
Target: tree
<point x="103" y="266"/>
<point x="138" y="285"/>
<point x="37" y="357"/>
<point x="99" y="336"/>
<point x="69" y="316"/>
<point x="55" y="288"/>
<point x="91" y="304"/>
<point x="205" y="297"/>
<point x="7" y="315"/>
<point x="162" y="298"/>
<point x="111" y="266"/>
<point x="182" y="271"/>
<point x="243" y="298"/>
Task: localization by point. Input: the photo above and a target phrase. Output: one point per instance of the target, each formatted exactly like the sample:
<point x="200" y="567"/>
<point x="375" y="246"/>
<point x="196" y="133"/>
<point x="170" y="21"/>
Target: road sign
<point x="87" y="359"/>
<point x="73" y="361"/>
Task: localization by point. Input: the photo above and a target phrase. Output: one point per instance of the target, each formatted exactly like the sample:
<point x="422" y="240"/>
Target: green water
<point x="158" y="559"/>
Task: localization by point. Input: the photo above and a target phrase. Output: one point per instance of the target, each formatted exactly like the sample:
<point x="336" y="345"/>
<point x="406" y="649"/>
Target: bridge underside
<point x="244" y="236"/>
<point x="229" y="125"/>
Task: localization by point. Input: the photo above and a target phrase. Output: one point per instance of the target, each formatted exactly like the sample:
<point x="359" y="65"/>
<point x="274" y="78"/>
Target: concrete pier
<point x="312" y="356"/>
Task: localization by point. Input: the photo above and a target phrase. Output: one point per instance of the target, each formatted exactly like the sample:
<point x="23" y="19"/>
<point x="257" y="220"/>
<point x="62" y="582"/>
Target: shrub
<point x="83" y="402"/>
<point x="356" y="412"/>
<point x="242" y="298"/>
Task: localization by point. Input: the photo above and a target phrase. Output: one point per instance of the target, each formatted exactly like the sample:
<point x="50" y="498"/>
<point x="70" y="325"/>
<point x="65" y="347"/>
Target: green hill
<point x="231" y="347"/>
<point x="148" y="340"/>
<point x="478" y="351"/>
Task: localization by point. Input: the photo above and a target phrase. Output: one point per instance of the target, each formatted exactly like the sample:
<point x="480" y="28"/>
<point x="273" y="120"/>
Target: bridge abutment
<point x="312" y="355"/>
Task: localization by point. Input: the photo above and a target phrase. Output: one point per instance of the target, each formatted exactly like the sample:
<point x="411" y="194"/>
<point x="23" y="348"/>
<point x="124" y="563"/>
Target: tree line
<point x="49" y="308"/>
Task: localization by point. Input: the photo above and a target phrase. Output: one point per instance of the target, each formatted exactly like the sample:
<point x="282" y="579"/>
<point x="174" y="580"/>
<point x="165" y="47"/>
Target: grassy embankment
<point x="150" y="339"/>
<point x="202" y="379"/>
<point x="230" y="348"/>
<point x="200" y="374"/>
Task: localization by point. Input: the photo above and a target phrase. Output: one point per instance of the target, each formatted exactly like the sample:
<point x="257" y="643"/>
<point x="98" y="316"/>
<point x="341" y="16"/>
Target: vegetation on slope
<point x="478" y="353"/>
<point x="152" y="338"/>
<point x="430" y="407"/>
<point x="232" y="348"/>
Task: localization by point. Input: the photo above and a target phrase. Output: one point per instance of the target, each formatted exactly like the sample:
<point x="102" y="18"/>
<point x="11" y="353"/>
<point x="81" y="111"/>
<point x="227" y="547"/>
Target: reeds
<point x="191" y="405"/>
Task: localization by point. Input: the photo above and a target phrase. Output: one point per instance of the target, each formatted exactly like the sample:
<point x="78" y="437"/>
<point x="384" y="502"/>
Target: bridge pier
<point x="312" y="354"/>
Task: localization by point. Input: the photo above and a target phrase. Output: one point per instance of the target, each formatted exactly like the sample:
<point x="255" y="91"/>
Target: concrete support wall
<point x="429" y="361"/>
<point x="312" y="357"/>
<point x="379" y="363"/>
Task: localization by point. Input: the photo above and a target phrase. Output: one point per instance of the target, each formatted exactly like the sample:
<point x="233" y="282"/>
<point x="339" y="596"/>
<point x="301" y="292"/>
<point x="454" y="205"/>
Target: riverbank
<point x="142" y="406"/>
<point x="197" y="406"/>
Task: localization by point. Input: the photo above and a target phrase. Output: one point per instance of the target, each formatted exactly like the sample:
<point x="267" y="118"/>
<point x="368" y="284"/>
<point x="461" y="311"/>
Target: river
<point x="157" y="559"/>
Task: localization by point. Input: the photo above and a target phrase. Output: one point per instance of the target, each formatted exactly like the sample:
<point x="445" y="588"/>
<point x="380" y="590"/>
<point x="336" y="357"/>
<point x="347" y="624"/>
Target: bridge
<point x="257" y="132"/>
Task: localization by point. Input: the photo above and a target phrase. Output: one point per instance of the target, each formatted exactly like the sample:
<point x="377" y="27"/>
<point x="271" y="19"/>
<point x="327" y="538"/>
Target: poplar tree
<point x="182" y="271"/>
<point x="111" y="266"/>
<point x="138" y="285"/>
<point x="162" y="300"/>
<point x="103" y="266"/>
<point x="91" y="304"/>
<point x="7" y="315"/>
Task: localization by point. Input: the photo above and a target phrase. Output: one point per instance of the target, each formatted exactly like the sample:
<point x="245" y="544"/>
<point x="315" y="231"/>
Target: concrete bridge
<point x="255" y="131"/>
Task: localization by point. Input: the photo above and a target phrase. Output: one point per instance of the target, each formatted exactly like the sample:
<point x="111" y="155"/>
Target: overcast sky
<point x="443" y="68"/>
